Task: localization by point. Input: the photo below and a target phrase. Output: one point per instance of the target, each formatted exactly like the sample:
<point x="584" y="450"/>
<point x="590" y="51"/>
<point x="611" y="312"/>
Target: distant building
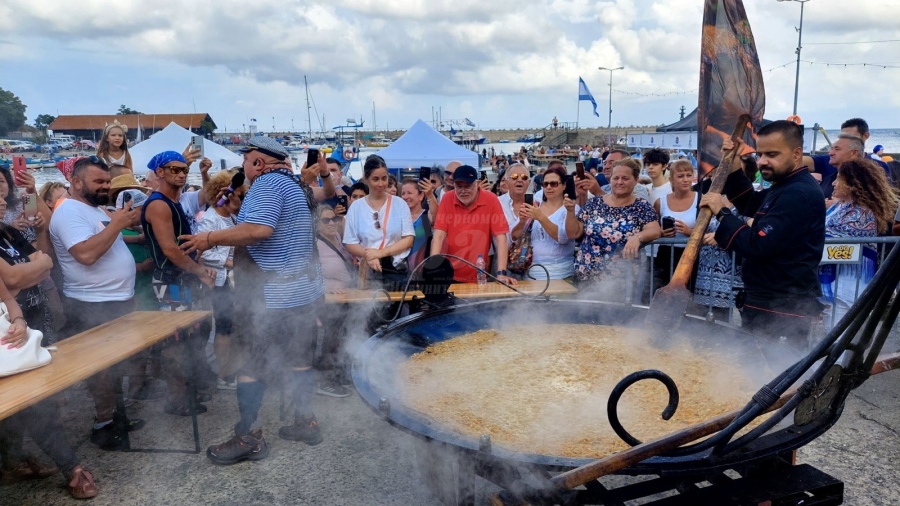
<point x="90" y="127"/>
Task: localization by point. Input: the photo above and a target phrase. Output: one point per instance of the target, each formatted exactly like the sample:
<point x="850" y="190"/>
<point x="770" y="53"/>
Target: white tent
<point x="423" y="146"/>
<point x="175" y="138"/>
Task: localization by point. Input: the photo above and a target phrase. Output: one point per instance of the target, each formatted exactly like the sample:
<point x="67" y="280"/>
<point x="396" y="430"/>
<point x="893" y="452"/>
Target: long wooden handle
<point x="682" y="273"/>
<point x="595" y="470"/>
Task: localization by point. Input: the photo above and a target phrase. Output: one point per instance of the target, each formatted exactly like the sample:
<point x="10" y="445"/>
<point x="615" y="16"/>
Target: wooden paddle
<point x="670" y="302"/>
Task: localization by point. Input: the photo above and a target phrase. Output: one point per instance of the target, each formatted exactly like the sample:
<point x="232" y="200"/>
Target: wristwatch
<point x="501" y="272"/>
<point x="722" y="213"/>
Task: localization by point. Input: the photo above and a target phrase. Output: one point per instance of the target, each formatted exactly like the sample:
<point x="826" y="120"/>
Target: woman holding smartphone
<point x="552" y="247"/>
<point x="379" y="229"/>
<point x="414" y="192"/>
<point x="679" y="215"/>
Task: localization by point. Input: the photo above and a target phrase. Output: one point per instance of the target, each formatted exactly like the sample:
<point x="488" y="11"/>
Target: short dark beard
<point x="96" y="199"/>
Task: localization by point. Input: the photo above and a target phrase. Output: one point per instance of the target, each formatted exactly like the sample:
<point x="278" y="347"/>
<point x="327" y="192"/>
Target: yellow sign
<point x="841" y="253"/>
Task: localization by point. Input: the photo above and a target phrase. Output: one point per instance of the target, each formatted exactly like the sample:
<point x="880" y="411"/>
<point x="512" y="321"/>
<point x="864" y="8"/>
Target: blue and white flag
<point x="585" y="94"/>
<point x="469" y="122"/>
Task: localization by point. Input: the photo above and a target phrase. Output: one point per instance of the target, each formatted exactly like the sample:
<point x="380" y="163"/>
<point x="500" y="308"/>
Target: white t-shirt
<point x="557" y="254"/>
<point x="511" y="217"/>
<point x="657" y="192"/>
<point x="360" y="226"/>
<point x="111" y="278"/>
<point x="217" y="256"/>
<point x="190" y="202"/>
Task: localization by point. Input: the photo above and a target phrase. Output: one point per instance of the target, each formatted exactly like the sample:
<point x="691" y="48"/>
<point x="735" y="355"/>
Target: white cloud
<point x="504" y="61"/>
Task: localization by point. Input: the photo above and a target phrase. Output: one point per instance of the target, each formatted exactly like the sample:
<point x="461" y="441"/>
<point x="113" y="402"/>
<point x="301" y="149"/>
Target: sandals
<point x="27" y="469"/>
<point x="81" y="484"/>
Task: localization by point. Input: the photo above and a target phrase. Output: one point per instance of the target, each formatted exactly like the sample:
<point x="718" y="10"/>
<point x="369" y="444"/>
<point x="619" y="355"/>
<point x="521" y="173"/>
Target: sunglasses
<point x="523" y="177"/>
<point x="550" y="184"/>
<point x="377" y="223"/>
<point x="174" y="170"/>
<point x="329" y="221"/>
<point x="95" y="160"/>
<point x="447" y="173"/>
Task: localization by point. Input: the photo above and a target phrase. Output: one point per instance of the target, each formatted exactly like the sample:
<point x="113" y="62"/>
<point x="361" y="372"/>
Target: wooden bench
<point x="83" y="355"/>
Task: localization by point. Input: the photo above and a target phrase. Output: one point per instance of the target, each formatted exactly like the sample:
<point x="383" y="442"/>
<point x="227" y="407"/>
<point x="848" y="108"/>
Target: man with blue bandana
<point x="177" y="277"/>
<point x="280" y="284"/>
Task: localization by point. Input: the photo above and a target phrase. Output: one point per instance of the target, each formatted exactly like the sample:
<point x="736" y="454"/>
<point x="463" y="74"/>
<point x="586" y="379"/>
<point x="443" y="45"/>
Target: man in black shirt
<point x="783" y="245"/>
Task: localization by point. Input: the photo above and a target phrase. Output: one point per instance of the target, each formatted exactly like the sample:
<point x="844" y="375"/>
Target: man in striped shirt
<point x="279" y="287"/>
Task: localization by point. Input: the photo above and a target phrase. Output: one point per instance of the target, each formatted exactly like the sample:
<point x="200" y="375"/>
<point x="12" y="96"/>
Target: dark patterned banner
<point x="731" y="81"/>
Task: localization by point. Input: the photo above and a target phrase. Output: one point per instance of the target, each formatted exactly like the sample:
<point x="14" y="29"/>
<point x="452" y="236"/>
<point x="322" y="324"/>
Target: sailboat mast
<point x="374" y="123"/>
<point x="308" y="117"/>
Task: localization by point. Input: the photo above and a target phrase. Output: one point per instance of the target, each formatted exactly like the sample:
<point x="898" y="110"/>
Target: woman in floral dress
<point x="612" y="227"/>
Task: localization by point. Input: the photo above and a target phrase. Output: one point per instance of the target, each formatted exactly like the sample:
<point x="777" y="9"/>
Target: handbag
<point x="521" y="254"/>
<point x="28" y="357"/>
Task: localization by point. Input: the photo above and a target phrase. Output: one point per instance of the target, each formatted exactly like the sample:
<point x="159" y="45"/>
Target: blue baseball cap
<point x="878" y="148"/>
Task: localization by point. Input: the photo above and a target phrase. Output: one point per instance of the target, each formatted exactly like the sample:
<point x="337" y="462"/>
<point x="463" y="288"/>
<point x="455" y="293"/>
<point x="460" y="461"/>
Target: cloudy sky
<point x="501" y="63"/>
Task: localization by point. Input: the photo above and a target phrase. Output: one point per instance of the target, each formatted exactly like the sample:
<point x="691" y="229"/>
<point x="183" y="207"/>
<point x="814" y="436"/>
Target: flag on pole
<point x="731" y="82"/>
<point x="585" y="94"/>
<point x="469" y="122"/>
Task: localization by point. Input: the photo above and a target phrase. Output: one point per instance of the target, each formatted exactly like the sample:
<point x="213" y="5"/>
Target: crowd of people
<point x="105" y="244"/>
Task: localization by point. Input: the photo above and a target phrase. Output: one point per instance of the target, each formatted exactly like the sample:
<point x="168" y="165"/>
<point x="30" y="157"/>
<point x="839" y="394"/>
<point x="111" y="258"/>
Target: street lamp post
<point x="799" y="47"/>
<point x="609" y="125"/>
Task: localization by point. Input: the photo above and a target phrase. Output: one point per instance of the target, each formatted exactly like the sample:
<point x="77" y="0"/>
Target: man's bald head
<point x="449" y="170"/>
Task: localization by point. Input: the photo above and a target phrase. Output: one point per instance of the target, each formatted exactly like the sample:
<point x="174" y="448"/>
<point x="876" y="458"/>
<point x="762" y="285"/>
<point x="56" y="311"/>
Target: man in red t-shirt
<point x="467" y="219"/>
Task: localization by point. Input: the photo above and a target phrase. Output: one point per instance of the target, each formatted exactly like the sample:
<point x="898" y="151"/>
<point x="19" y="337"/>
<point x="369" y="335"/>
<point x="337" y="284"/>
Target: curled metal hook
<point x="612" y="405"/>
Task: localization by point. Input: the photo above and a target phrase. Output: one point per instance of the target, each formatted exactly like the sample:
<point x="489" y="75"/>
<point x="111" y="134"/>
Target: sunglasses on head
<point x="523" y="177"/>
<point x="96" y="160"/>
<point x="550" y="184"/>
<point x="377" y="223"/>
<point x="175" y="170"/>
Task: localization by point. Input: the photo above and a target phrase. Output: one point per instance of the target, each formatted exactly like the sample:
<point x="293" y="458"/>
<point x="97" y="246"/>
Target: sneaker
<point x="247" y="447"/>
<point x="304" y="429"/>
<point x="332" y="389"/>
<point x="182" y="408"/>
<point x="107" y="438"/>
<point x="225" y="385"/>
<point x="149" y="390"/>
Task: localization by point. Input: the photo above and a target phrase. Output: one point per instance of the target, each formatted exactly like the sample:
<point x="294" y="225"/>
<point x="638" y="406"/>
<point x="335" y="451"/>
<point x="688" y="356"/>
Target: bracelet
<point x="208" y="239"/>
<point x="19" y="318"/>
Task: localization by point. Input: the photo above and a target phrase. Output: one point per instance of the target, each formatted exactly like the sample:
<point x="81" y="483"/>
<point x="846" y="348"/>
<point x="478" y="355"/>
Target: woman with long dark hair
<point x="379" y="229"/>
<point x="552" y="247"/>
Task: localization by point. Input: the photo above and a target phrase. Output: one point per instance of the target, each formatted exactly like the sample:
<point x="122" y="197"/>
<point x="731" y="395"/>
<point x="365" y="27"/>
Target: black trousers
<point x="773" y="326"/>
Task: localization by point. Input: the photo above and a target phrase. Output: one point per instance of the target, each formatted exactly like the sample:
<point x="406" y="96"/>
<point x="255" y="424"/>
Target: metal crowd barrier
<point x="847" y="254"/>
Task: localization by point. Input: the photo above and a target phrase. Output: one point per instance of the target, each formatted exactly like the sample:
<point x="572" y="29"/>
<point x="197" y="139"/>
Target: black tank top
<point x="180" y="224"/>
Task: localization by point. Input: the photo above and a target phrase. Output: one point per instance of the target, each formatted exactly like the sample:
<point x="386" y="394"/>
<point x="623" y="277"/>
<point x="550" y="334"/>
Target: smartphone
<point x="529" y="199"/>
<point x="223" y="164"/>
<point x="483" y="175"/>
<point x="30" y="205"/>
<point x="126" y="198"/>
<point x="570" y="187"/>
<point x="19" y="167"/>
<point x="424" y="173"/>
<point x="312" y="157"/>
<point x="197" y="143"/>
<point x="668" y="222"/>
<point x="342" y="201"/>
<point x="579" y="170"/>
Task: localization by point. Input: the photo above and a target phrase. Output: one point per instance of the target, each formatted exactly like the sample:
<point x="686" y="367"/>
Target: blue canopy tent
<point x="423" y="146"/>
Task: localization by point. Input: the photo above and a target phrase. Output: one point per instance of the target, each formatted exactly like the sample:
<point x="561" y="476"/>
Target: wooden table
<point x="461" y="290"/>
<point x="496" y="290"/>
<point x="83" y="355"/>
